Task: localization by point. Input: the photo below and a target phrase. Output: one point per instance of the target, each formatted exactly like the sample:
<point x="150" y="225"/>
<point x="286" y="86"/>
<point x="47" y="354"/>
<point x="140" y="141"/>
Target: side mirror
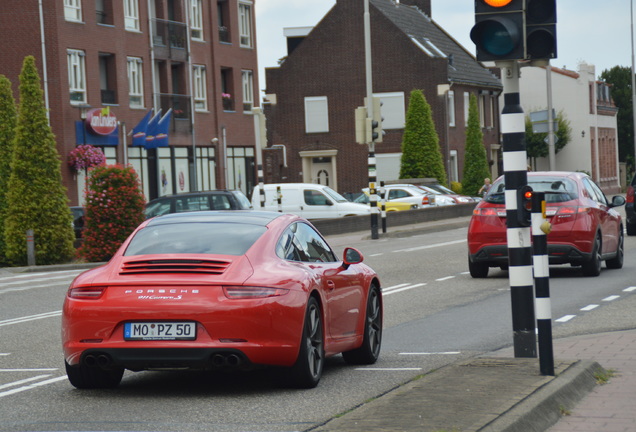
<point x="351" y="256"/>
<point x="617" y="201"/>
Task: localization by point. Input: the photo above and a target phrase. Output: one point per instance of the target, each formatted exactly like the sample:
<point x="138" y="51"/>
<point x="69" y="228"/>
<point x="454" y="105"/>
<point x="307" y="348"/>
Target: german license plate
<point x="160" y="331"/>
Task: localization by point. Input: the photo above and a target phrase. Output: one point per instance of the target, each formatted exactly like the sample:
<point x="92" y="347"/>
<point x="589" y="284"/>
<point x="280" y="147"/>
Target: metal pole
<point x="542" y="283"/>
<point x="631" y="14"/>
<point x="519" y="248"/>
<point x="551" y="148"/>
<point x="259" y="135"/>
<point x="373" y="195"/>
<point x="30" y="243"/>
<point x="383" y="206"/>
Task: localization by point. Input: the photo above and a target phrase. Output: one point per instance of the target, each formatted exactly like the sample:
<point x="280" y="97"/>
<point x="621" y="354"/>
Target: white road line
<point x="611" y="298"/>
<point x="444" y="278"/>
<point x="381" y="369"/>
<point x="431" y="353"/>
<point x="376" y="255"/>
<point x="630" y="289"/>
<point x="17" y="383"/>
<point x="31" y="275"/>
<point x="5" y="354"/>
<point x="32" y="386"/>
<point x="29" y="370"/>
<point x="402" y="289"/>
<point x="29" y="318"/>
<point x="565" y="318"/>
<point x="39" y="280"/>
<point x="394" y="287"/>
<point x="430" y="246"/>
<point x="589" y="307"/>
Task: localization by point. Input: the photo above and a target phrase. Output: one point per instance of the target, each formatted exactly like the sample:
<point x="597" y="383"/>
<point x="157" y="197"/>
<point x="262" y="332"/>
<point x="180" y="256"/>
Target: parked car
<point x="440" y="198"/>
<point x="389" y="206"/>
<point x="197" y="201"/>
<point x="407" y="193"/>
<point x="458" y="198"/>
<point x="586" y="229"/>
<point x="308" y="200"/>
<point x="630" y="210"/>
<point x="221" y="290"/>
<point x="78" y="220"/>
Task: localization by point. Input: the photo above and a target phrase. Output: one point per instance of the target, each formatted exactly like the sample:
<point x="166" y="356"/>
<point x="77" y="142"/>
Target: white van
<point x="311" y="201"/>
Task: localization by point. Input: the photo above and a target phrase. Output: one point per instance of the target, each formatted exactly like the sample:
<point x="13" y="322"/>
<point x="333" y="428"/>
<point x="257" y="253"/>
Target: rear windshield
<point x="557" y="189"/>
<point x="195" y="238"/>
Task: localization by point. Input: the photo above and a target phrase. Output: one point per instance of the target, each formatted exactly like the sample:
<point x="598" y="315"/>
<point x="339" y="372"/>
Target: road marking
<point x="29" y="370"/>
<point x="589" y="307"/>
<point x="383" y="369"/>
<point x="430" y="246"/>
<point x="611" y="298"/>
<point x="630" y="289"/>
<point x="29" y="318"/>
<point x="378" y="254"/>
<point x="32" y="386"/>
<point x="5" y="354"/>
<point x="565" y="318"/>
<point x="444" y="278"/>
<point x="432" y="353"/>
<point x="32" y="275"/>
<point x="397" y="289"/>
<point x="17" y="383"/>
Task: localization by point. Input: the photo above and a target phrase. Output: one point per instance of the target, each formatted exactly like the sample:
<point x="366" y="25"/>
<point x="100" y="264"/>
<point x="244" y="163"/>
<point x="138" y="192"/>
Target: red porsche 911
<point x="221" y="290"/>
<point x="586" y="230"/>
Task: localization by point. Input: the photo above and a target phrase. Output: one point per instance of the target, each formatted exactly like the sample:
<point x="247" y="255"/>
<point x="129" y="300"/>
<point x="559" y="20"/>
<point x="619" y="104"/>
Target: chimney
<point x="423" y="5"/>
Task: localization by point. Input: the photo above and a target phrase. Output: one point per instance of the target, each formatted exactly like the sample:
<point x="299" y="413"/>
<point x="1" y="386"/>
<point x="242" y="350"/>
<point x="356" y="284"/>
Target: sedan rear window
<point x="557" y="189"/>
<point x="195" y="238"/>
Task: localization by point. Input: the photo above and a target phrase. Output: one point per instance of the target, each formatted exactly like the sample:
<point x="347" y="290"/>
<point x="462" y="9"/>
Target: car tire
<point x="592" y="267"/>
<point x="369" y="351"/>
<point x="85" y="377"/>
<point x="478" y="270"/>
<point x="631" y="229"/>
<point x="617" y="261"/>
<point x="307" y="370"/>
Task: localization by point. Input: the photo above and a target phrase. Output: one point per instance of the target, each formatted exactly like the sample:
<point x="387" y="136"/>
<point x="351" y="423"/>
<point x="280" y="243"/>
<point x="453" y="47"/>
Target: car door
<point x="607" y="217"/>
<point x="316" y="205"/>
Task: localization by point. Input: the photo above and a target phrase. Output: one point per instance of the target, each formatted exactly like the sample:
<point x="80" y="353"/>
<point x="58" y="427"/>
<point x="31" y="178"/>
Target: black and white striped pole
<point x="518" y="228"/>
<point x="540" y="229"/>
<point x="383" y="206"/>
<point x="260" y="132"/>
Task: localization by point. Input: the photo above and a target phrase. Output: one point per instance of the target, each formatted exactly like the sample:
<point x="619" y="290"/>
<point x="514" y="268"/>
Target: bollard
<point x="30" y="248"/>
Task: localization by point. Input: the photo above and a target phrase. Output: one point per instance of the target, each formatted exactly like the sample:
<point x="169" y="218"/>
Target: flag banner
<point x="151" y="131"/>
<point x="139" y="132"/>
<point x="161" y="132"/>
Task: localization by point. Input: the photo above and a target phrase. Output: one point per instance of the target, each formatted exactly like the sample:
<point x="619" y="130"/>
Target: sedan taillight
<point x="425" y="200"/>
<point x="86" y="293"/>
<point x="629" y="196"/>
<point x="241" y="292"/>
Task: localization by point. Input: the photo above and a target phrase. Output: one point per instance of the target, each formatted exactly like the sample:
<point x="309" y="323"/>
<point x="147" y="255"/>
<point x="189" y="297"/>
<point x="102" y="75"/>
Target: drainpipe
<point x="44" y="64"/>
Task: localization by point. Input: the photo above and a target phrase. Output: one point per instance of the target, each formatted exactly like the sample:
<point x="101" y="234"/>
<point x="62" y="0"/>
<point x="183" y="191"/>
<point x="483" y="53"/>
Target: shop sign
<point x="101" y="121"/>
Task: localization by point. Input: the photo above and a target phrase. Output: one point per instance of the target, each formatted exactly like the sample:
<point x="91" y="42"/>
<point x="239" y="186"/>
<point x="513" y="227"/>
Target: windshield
<point x="244" y="203"/>
<point x="333" y="194"/>
<point x="195" y="238"/>
<point x="556" y="189"/>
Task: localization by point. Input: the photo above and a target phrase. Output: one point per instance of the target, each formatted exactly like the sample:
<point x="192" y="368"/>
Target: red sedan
<point x="586" y="229"/>
<point x="221" y="290"/>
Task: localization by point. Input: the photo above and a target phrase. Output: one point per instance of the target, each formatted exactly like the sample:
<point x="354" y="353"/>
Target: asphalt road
<point x="435" y="314"/>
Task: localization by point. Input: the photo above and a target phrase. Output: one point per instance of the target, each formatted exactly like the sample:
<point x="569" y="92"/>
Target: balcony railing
<point x="169" y="39"/>
<point x="224" y="34"/>
<point x="109" y="97"/>
<point x="181" y="110"/>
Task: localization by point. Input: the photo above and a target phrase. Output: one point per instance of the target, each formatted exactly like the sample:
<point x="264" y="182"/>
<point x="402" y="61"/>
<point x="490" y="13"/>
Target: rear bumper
<point x="497" y="255"/>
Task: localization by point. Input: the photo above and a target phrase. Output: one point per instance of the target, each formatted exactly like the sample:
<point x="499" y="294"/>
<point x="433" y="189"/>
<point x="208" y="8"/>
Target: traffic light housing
<point x="361" y="125"/>
<point x="376" y="125"/>
<point x="498" y="33"/>
<point x="541" y="40"/>
<point x="524" y="206"/>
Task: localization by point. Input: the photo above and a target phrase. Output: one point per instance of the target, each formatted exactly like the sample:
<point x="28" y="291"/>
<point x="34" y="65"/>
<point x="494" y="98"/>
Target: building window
<point x="131" y="14"/>
<point x="451" y="108"/>
<point x="466" y="107"/>
<point x="73" y="10"/>
<point x="135" y="82"/>
<point x="248" y="90"/>
<point x="196" y="19"/>
<point x="107" y="78"/>
<point x="200" y="96"/>
<point x="223" y="20"/>
<point x="316" y="114"/>
<point x="482" y="110"/>
<point x="104" y="11"/>
<point x="245" y="24"/>
<point x="76" y="75"/>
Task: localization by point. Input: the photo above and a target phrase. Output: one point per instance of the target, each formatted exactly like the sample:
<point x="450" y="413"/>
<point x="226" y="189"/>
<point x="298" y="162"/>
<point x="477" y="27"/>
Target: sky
<point x="592" y="31"/>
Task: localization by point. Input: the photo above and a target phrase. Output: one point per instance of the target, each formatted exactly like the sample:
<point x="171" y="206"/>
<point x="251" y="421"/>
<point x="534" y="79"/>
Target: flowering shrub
<point x="226" y="96"/>
<point x="84" y="157"/>
<point x="114" y="208"/>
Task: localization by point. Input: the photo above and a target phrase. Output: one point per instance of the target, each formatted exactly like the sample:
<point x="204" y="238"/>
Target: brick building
<point x="195" y="57"/>
<point x="314" y="92"/>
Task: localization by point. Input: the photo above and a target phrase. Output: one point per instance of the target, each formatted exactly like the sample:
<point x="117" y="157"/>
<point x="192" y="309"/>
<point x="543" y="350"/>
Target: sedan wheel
<point x="593" y="266"/>
<point x="307" y="371"/>
<point x="369" y="351"/>
<point x="478" y="270"/>
<point x="617" y="261"/>
<point x="86" y="377"/>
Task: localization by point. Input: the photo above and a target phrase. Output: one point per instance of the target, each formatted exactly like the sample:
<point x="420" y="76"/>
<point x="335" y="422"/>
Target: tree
<point x="36" y="197"/>
<point x="536" y="143"/>
<point x="620" y="79"/>
<point x="114" y="208"/>
<point x="421" y="155"/>
<point x="476" y="167"/>
<point x="8" y="119"/>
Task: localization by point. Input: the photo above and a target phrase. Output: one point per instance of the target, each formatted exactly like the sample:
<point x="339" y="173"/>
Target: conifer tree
<point x="8" y="118"/>
<point x="421" y="155"/>
<point x="476" y="167"/>
<point x="36" y="197"/>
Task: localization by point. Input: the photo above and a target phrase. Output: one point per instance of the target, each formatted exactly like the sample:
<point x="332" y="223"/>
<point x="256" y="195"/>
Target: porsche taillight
<point x="86" y="293"/>
<point x="243" y="292"/>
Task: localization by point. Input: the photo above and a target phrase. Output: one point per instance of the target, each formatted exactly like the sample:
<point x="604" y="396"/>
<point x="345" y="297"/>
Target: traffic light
<point x="361" y="125"/>
<point x="524" y="206"/>
<point x="541" y="41"/>
<point x="499" y="30"/>
<point x="377" y="132"/>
